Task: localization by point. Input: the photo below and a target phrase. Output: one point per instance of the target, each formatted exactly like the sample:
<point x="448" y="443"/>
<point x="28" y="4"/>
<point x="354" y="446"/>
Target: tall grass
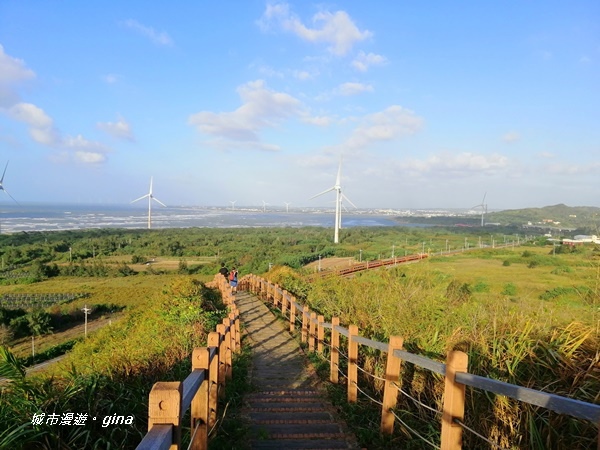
<point x="110" y="373"/>
<point x="521" y="340"/>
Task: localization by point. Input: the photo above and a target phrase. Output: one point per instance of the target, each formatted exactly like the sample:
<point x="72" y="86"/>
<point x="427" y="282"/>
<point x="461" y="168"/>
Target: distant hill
<point x="555" y="216"/>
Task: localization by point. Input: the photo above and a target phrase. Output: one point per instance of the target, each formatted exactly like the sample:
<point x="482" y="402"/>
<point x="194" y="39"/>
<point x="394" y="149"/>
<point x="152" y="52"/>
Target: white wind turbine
<point x="287" y="207"/>
<point x="338" y="203"/>
<point x="150" y="198"/>
<point x="483" y="207"/>
<point x="232" y="204"/>
<point x="2" y="184"/>
<point x="264" y="206"/>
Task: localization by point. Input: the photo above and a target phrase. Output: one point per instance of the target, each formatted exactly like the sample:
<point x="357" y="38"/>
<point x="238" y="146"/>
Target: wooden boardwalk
<point x="289" y="409"/>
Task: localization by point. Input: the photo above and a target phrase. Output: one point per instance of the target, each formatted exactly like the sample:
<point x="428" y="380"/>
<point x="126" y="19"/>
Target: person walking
<point x="224" y="271"/>
<point x="233" y="280"/>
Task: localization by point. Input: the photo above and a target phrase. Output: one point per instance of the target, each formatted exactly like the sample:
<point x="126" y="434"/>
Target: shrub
<point x="506" y="263"/>
<point x="509" y="289"/>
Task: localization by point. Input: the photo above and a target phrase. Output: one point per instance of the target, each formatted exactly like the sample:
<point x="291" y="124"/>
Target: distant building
<point x="581" y="239"/>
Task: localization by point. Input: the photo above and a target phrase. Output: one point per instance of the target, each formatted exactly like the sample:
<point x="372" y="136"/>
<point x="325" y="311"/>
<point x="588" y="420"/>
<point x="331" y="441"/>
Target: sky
<point x="424" y="104"/>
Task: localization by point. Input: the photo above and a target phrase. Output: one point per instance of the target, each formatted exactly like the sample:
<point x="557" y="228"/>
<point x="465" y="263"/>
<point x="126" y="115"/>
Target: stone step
<point x="300" y="444"/>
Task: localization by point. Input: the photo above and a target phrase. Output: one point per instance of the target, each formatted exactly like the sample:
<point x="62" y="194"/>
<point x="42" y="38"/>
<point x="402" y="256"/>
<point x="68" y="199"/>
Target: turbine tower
<point x="264" y="206"/>
<point x="338" y="203"/>
<point x="2" y="184"/>
<point x="150" y="198"/>
<point x="483" y="207"/>
<point x="232" y="204"/>
<point x="287" y="207"/>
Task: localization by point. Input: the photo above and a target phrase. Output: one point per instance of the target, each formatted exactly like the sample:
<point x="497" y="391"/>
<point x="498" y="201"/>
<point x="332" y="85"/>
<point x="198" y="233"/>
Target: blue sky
<point x="429" y="104"/>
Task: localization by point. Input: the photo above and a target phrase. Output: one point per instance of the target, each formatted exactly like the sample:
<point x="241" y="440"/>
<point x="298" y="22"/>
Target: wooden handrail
<point x="211" y="367"/>
<point x="454" y="371"/>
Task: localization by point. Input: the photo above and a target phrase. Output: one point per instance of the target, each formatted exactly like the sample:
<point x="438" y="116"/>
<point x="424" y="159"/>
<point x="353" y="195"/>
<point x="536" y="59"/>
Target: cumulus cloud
<point x="261" y="108"/>
<point x="348" y="89"/>
<point x="457" y="164"/>
<point x="157" y="37"/>
<point x="364" y="61"/>
<point x="41" y="126"/>
<point x="511" y="136"/>
<point x="120" y="129"/>
<point x="337" y="30"/>
<point x="391" y="123"/>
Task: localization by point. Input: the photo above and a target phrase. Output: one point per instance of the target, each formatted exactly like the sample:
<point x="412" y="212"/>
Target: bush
<point x="506" y="263"/>
<point x="509" y="289"/>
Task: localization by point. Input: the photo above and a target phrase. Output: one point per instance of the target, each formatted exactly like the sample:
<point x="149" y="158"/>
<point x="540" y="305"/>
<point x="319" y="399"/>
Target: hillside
<point x="555" y="216"/>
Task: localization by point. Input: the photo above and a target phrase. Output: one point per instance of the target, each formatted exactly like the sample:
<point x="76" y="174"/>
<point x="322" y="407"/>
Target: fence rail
<point x="199" y="392"/>
<point x="454" y="370"/>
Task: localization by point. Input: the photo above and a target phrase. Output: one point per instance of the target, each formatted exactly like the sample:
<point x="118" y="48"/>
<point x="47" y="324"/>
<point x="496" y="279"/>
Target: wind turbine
<point x="264" y="206"/>
<point x="338" y="203"/>
<point x="150" y="198"/>
<point x="483" y="207"/>
<point x="287" y="207"/>
<point x="2" y="184"/>
<point x="232" y="204"/>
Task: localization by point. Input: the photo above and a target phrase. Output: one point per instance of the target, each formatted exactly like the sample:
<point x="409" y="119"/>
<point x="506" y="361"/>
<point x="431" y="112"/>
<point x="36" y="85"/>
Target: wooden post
<point x="284" y="302"/>
<point x="213" y="375"/>
<point x="390" y="391"/>
<point x="234" y="336"/>
<point x="228" y="349"/>
<point x="320" y="334"/>
<point x="305" y="323"/>
<point x="335" y="352"/>
<point x="312" y="334"/>
<point x="352" y="364"/>
<point x="199" y="409"/>
<point x="164" y="407"/>
<point x="222" y="358"/>
<point x="292" y="314"/>
<point x="454" y="401"/>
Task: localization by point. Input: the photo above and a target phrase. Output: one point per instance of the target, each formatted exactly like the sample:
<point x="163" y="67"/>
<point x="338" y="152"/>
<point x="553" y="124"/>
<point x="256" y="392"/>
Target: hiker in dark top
<point x="224" y="271"/>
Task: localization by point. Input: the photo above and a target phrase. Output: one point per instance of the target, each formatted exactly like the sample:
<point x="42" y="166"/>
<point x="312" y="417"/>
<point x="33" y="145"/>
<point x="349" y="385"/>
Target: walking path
<point x="289" y="409"/>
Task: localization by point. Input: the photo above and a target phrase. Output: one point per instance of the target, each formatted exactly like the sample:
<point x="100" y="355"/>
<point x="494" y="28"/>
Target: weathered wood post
<point x="164" y="408"/>
<point x="228" y="349"/>
<point x="292" y="314"/>
<point x="305" y="323"/>
<point x="199" y="409"/>
<point x="222" y="358"/>
<point x="213" y="342"/>
<point x="234" y="336"/>
<point x="335" y="352"/>
<point x="352" y="364"/>
<point x="312" y="335"/>
<point x="454" y="401"/>
<point x="284" y="302"/>
<point x="320" y="333"/>
<point x="390" y="391"/>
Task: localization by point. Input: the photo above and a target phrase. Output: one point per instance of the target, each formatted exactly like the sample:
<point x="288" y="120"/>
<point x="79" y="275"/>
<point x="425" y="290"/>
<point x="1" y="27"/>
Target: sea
<point x="15" y="218"/>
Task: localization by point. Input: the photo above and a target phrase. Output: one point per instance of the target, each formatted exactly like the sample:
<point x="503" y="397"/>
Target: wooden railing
<point x="313" y="332"/>
<point x="199" y="392"/>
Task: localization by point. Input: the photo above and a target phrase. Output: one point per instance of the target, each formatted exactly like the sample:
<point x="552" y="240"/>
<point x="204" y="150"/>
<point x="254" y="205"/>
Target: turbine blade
<point x="154" y="198"/>
<point x="338" y="179"/>
<point x="2" y="179"/>
<point x="138" y="199"/>
<point x="348" y="200"/>
<point x="11" y="197"/>
<point x="324" y="192"/>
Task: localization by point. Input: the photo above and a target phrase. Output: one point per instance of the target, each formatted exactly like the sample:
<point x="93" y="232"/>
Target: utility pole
<point x="86" y="311"/>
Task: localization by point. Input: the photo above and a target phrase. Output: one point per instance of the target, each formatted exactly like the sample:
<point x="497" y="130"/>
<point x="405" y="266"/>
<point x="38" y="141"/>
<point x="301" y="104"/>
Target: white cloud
<point x="386" y="125"/>
<point x="110" y="78"/>
<point x="119" y="130"/>
<point x="321" y="121"/>
<point x="347" y="89"/>
<point x="89" y="157"/>
<point x="261" y="108"/>
<point x="364" y="61"/>
<point x="457" y="164"/>
<point x="336" y="29"/>
<point x="511" y="136"/>
<point x="160" y="38"/>
<point x="13" y="70"/>
<point x="31" y="115"/>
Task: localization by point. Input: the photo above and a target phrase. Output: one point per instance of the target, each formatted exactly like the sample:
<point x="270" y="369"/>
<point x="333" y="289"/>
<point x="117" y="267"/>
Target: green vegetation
<point x="527" y="325"/>
<point x="527" y="315"/>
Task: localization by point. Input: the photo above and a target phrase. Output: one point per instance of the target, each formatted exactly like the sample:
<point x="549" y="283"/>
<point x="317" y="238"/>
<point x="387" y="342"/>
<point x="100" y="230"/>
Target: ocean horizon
<point x="15" y="218"/>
